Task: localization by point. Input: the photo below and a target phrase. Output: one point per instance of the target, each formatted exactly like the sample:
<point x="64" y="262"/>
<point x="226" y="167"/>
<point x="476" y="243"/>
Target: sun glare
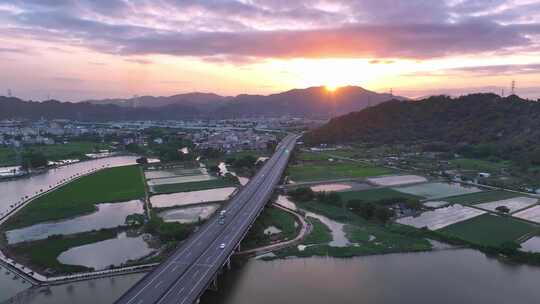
<point x="331" y="87"/>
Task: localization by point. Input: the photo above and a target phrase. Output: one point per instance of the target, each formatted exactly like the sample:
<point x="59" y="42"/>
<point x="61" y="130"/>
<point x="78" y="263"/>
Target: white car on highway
<point x="222" y="246"/>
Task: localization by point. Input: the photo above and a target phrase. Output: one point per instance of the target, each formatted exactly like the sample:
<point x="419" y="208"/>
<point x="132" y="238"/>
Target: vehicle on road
<point x="222" y="246"/>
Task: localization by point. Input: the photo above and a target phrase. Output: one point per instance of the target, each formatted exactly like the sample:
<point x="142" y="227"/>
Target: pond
<point x="191" y="197"/>
<point x="173" y="172"/>
<point x="13" y="190"/>
<point x="109" y="215"/>
<point x="438" y="190"/>
<point x="179" y="179"/>
<point x="102" y="254"/>
<point x="189" y="214"/>
<point x="443" y="277"/>
<point x="531" y="245"/>
<point x="331" y="187"/>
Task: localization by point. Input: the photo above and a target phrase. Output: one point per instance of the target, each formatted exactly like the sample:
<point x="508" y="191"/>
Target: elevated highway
<point x="195" y="265"/>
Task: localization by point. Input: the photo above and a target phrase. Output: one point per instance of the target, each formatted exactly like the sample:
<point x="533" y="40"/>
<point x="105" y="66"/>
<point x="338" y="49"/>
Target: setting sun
<point x="331" y="87"/>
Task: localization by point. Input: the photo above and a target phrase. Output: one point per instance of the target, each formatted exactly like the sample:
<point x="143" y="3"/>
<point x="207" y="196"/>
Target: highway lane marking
<point x="219" y="255"/>
<point x="255" y="209"/>
<point x="175" y="267"/>
<point x="158" y="284"/>
<point x="181" y="290"/>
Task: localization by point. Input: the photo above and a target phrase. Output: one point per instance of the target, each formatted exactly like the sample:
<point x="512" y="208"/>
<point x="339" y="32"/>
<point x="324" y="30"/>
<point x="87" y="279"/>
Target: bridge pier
<point x="214" y="285"/>
<point x="228" y="264"/>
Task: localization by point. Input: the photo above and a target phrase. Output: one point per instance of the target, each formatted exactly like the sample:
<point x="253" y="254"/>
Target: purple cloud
<point x="238" y="31"/>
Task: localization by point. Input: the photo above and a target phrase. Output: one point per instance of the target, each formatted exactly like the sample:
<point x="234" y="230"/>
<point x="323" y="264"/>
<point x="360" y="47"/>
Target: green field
<point x="7" y="157"/>
<point x="489" y="230"/>
<point x="80" y="196"/>
<point x="320" y="233"/>
<point x="333" y="170"/>
<point x="194" y="186"/>
<point x="43" y="254"/>
<point x="478" y="164"/>
<point x="371" y="195"/>
<point x="388" y="238"/>
<point x="481" y="197"/>
<point x="276" y="217"/>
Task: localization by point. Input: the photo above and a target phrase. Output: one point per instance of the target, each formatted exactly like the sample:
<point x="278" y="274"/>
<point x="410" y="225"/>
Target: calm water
<point x="102" y="291"/>
<point x="12" y="191"/>
<point x="102" y="254"/>
<point x="192" y="197"/>
<point x="189" y="214"/>
<point x="109" y="215"/>
<point x="331" y="187"/>
<point x="438" y="190"/>
<point x="10" y="286"/>
<point x="453" y="276"/>
<point x="531" y="245"/>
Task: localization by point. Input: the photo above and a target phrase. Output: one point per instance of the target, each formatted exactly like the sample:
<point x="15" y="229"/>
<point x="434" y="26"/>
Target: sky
<point x="75" y="50"/>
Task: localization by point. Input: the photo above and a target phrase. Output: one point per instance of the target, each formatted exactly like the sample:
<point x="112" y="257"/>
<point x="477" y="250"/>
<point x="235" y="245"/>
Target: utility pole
<point x="502" y="92"/>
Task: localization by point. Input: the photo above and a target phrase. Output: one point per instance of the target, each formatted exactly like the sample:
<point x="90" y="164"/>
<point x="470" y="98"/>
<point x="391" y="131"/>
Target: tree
<point x="303" y="194"/>
<point x="33" y="159"/>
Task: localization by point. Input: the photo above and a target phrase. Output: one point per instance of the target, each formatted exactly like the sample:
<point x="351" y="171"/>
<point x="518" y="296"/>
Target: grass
<point x="481" y="197"/>
<point x="276" y="217"/>
<point x="44" y="254"/>
<point x="389" y="238"/>
<point x="371" y="195"/>
<point x="478" y="164"/>
<point x="333" y="170"/>
<point x="489" y="230"/>
<point x="71" y="149"/>
<point x="7" y="157"/>
<point x="80" y="196"/>
<point x="194" y="186"/>
<point x="320" y="233"/>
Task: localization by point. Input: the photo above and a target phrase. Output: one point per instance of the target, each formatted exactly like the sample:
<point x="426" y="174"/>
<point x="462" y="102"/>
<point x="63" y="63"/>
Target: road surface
<point x="187" y="273"/>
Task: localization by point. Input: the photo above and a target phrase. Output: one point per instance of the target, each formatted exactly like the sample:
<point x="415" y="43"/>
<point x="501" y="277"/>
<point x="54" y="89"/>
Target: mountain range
<point x="310" y="102"/>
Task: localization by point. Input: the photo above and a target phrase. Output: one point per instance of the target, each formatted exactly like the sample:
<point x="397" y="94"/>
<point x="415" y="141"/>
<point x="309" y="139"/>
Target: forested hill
<point x="502" y="125"/>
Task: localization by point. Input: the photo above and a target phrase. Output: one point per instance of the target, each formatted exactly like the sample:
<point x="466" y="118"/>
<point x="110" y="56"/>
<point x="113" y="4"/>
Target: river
<point x="12" y="191"/>
<point x="450" y="276"/>
<point x="447" y="276"/>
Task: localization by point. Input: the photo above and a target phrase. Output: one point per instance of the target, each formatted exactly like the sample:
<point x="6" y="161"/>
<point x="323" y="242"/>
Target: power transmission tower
<point x="9" y="92"/>
<point x="502" y="92"/>
<point x="391" y="91"/>
<point x="513" y="88"/>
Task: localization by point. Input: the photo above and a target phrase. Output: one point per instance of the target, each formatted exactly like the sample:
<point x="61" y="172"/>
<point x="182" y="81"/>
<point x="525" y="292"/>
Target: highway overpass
<point x="195" y="265"/>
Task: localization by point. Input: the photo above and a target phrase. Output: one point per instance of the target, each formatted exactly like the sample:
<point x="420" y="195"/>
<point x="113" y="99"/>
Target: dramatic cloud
<point x="263" y="29"/>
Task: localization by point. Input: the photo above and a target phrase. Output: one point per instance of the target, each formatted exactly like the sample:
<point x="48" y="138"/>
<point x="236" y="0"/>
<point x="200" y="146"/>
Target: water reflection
<point x="102" y="254"/>
<point x="103" y="291"/>
<point x="189" y="214"/>
<point x="10" y="285"/>
<point x="13" y="190"/>
<point x="109" y="215"/>
<point x="438" y="190"/>
<point x="192" y="197"/>
<point x="443" y="277"/>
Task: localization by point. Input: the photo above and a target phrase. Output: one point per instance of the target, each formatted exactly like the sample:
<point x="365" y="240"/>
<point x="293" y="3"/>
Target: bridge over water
<point x="195" y="265"/>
